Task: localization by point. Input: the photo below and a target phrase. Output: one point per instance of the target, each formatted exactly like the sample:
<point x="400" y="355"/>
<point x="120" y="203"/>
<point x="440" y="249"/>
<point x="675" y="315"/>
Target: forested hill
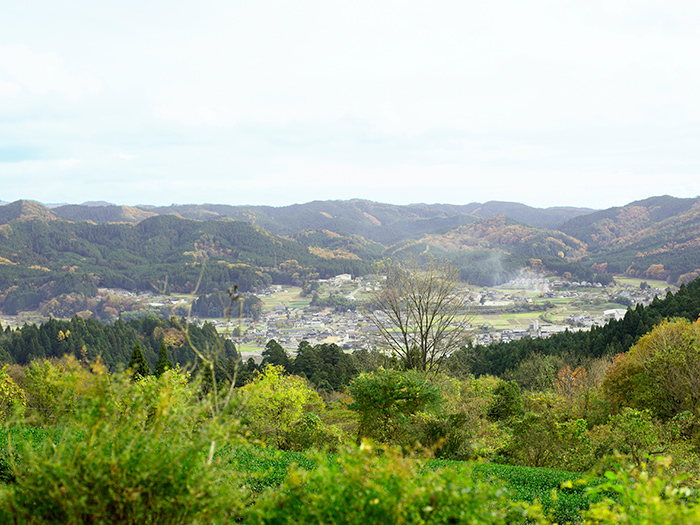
<point x="41" y="259"/>
<point x="667" y="250"/>
<point x="607" y="227"/>
<point x="615" y="337"/>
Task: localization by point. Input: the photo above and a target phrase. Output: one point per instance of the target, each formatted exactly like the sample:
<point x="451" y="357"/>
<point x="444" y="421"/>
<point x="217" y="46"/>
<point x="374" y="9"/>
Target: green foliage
<point x="661" y="372"/>
<point x="361" y="487"/>
<point x="112" y="343"/>
<point x="54" y="388"/>
<point x="507" y="402"/>
<point x="137" y="365"/>
<point x="274" y="406"/>
<point x="30" y="436"/>
<point x="446" y="435"/>
<point x="163" y="362"/>
<point x="12" y="397"/>
<point x="644" y="495"/>
<point x="274" y="354"/>
<point x="635" y="434"/>
<point x="559" y="491"/>
<point x="387" y="401"/>
<point x="339" y="303"/>
<point x="131" y="453"/>
<point x="539" y="440"/>
<point x="325" y="365"/>
<point x="262" y="467"/>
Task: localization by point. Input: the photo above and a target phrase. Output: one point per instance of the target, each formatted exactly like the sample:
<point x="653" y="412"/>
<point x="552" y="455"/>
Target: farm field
<point x="265" y="469"/>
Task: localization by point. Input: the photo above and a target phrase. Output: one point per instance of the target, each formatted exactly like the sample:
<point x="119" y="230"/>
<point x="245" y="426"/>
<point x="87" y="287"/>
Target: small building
<point x="615" y="313"/>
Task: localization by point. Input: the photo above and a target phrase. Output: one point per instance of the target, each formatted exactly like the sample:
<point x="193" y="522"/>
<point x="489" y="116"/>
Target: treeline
<point x="326" y="366"/>
<point x="224" y="304"/>
<point x="88" y="339"/>
<point x="336" y="301"/>
<point x="617" y="336"/>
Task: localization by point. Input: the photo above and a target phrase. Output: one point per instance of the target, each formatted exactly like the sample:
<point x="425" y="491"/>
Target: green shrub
<point x="448" y="436"/>
<point x="507" y="402"/>
<point x="12" y="397"/>
<point x="277" y="408"/>
<point x="131" y="453"/>
<point x="31" y="436"/>
<point x="644" y="496"/>
<point x="539" y="440"/>
<point x="386" y="402"/>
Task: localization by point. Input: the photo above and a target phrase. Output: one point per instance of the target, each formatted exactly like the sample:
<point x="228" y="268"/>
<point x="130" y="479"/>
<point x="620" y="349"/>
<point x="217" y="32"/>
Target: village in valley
<point x="530" y="305"/>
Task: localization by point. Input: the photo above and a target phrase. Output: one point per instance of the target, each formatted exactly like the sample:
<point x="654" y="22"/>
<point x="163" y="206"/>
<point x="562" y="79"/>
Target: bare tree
<point x="422" y="312"/>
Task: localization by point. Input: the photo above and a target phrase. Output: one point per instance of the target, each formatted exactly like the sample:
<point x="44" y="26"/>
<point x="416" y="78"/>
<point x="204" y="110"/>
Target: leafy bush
<point x="131" y="453"/>
<point x="387" y="401"/>
<point x="646" y="495"/>
<point x="30" y="435"/>
<point x="278" y="408"/>
<point x="539" y="441"/>
<point x="507" y="402"/>
<point x="12" y="397"/>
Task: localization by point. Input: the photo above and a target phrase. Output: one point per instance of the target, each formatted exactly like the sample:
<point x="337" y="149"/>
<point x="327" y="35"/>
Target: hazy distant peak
<point x="97" y="203"/>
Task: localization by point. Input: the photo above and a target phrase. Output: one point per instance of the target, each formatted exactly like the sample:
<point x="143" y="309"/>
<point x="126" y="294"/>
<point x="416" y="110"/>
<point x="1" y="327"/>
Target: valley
<point x="532" y="305"/>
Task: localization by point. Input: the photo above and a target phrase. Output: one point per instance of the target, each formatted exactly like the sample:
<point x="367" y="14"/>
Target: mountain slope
<point x="668" y="249"/>
<point x="607" y="227"/>
<point x="24" y="210"/>
<point x="100" y="213"/>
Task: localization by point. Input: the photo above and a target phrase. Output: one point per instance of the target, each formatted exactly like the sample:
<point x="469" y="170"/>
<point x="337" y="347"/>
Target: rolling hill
<point x="46" y="251"/>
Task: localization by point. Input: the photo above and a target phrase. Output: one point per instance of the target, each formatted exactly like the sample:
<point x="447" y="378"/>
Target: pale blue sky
<point x="547" y="103"/>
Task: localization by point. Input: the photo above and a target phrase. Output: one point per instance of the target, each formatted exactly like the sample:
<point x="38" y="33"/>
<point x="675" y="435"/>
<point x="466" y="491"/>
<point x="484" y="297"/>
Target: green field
<point x="291" y="298"/>
<point x="636" y="281"/>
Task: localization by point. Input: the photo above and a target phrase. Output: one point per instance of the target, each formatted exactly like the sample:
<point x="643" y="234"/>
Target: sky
<point x="548" y="103"/>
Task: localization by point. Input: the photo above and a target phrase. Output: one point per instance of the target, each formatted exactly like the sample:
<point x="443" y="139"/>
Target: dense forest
<point x="44" y="260"/>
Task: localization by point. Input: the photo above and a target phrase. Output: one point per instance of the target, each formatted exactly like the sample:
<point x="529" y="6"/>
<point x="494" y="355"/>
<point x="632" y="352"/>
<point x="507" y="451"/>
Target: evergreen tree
<point x="163" y="363"/>
<point x="274" y="354"/>
<point x="138" y="365"/>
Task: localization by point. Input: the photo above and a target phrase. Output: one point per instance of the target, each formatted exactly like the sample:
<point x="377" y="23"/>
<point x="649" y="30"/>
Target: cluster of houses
<point x="353" y="329"/>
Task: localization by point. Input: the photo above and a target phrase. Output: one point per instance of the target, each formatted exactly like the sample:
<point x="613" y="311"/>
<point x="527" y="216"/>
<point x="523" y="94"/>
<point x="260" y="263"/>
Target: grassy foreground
<point x="264" y="471"/>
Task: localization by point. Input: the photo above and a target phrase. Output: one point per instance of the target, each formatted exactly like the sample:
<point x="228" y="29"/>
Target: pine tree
<point x="163" y="363"/>
<point x="138" y="365"/>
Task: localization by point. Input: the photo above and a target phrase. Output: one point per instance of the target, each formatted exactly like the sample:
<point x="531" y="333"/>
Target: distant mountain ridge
<point x="658" y="236"/>
<point x="379" y="222"/>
